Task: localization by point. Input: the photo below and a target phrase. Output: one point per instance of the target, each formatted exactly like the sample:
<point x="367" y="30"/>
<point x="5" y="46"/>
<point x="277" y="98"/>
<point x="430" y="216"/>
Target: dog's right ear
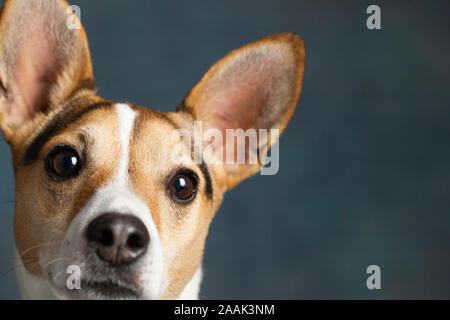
<point x="44" y="60"/>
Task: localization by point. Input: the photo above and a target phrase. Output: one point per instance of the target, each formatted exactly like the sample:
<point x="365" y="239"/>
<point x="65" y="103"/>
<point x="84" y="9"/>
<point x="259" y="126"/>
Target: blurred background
<point x="364" y="164"/>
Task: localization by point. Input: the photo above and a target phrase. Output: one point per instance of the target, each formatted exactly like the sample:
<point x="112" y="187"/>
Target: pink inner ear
<point x="35" y="71"/>
<point x="242" y="100"/>
<point x="252" y="90"/>
<point x="238" y="106"/>
<point x="43" y="60"/>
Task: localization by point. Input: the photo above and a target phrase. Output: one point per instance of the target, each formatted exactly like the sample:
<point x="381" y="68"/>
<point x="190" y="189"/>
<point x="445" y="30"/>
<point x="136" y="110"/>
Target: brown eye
<point x="63" y="163"/>
<point x="182" y="187"/>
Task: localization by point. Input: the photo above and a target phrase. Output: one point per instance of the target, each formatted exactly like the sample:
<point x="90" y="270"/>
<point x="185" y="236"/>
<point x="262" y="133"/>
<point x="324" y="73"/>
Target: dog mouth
<point x="109" y="289"/>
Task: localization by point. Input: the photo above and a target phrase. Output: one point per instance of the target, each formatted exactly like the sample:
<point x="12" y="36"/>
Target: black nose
<point x="118" y="238"/>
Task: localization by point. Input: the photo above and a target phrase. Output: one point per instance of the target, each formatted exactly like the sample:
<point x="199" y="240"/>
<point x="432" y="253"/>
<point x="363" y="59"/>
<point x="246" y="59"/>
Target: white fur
<point x="31" y="287"/>
<point x="126" y="119"/>
<point x="191" y="291"/>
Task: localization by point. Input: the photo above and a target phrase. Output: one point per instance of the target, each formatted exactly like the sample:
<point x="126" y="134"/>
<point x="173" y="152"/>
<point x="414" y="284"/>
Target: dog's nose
<point x="118" y="238"/>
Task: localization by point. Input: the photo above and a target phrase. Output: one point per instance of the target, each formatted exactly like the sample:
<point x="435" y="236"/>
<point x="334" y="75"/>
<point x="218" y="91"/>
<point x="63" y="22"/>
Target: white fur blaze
<point x="126" y="122"/>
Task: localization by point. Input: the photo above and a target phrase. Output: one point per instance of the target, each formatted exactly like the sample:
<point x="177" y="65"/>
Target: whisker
<point x="54" y="261"/>
<point x="58" y="274"/>
<point x="37" y="246"/>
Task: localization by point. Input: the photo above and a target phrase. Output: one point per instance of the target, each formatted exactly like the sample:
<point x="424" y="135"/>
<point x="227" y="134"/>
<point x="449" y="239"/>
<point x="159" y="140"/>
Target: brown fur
<point x="45" y="208"/>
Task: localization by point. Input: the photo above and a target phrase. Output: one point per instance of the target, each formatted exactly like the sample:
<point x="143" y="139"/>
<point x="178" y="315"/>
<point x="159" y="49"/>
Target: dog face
<point x="115" y="189"/>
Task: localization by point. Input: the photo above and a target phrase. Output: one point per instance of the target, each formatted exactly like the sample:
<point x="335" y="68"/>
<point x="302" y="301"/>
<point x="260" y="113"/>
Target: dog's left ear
<point x="44" y="60"/>
<point x="254" y="87"/>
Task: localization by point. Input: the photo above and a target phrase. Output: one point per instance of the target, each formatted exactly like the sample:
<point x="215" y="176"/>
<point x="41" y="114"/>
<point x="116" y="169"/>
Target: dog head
<point x="126" y="194"/>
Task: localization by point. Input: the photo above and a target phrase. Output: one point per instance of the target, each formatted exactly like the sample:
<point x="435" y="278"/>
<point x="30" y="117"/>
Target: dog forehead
<point x="159" y="139"/>
<point x="146" y="144"/>
<point x="151" y="147"/>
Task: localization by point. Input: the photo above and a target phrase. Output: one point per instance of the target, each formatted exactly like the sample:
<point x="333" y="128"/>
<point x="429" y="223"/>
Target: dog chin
<point x="98" y="287"/>
<point x="100" y="291"/>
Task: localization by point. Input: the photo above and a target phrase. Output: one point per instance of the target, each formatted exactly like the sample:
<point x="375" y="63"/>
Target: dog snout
<point x="118" y="238"/>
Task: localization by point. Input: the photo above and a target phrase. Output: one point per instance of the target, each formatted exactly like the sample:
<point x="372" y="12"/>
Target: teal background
<point x="364" y="164"/>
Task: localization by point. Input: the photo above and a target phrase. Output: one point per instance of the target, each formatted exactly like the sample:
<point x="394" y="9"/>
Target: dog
<point x="109" y="205"/>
